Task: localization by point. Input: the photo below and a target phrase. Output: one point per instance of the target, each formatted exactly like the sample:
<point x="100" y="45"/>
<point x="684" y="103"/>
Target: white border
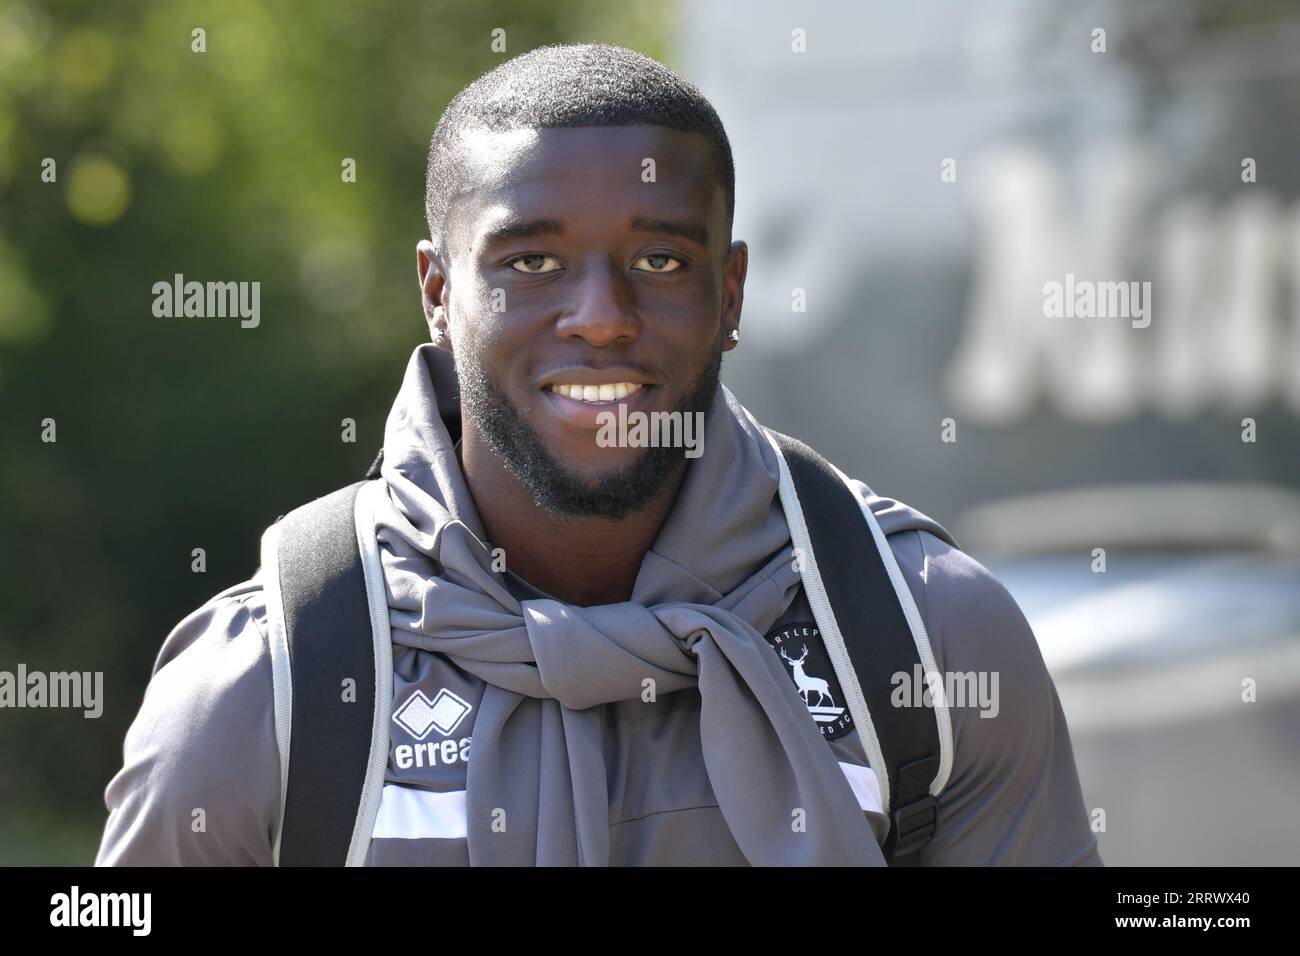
<point x="818" y="601"/>
<point x="815" y="592"/>
<point x="411" y="813"/>
<point x="920" y="637"/>
<point x="372" y="791"/>
<point x="281" y="676"/>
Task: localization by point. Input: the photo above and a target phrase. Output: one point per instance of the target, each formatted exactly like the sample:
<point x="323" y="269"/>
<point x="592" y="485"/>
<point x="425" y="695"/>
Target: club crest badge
<point x="800" y="648"/>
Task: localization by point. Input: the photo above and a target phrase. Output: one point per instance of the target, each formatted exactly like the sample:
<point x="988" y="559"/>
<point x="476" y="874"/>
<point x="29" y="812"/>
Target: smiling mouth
<point x="596" y="394"/>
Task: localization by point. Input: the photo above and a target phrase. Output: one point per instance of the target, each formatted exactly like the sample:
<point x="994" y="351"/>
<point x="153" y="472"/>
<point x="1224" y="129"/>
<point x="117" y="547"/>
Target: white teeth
<point x="610" y="392"/>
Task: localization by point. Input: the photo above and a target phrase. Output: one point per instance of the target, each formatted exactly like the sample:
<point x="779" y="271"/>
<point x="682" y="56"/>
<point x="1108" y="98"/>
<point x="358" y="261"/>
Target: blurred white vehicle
<point x="1178" y="665"/>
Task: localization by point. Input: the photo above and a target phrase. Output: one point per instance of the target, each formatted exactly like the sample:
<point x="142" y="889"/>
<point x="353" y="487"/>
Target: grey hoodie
<point x="205" y="737"/>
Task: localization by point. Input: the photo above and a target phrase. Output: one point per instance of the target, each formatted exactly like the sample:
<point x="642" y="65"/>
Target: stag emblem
<point x="807" y="684"/>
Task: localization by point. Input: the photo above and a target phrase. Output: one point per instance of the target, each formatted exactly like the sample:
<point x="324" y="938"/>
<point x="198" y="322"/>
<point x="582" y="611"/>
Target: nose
<point x="604" y="313"/>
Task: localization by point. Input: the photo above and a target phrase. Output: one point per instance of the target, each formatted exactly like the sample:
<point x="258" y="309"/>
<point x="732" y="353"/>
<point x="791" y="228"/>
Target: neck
<point x="581" y="561"/>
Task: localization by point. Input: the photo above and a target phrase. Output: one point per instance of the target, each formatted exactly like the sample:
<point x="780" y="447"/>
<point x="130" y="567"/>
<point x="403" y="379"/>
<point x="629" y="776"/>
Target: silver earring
<point x="734" y="335"/>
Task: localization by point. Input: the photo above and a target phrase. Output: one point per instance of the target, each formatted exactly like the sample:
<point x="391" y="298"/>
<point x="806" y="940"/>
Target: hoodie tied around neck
<point x="715" y="582"/>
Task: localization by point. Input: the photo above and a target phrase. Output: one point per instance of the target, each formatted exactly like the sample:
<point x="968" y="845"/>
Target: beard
<point x="555" y="488"/>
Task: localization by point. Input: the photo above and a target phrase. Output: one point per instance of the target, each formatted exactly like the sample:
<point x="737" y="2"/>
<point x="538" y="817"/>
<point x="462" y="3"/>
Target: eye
<point x="514" y="263"/>
<point x="659" y="259"/>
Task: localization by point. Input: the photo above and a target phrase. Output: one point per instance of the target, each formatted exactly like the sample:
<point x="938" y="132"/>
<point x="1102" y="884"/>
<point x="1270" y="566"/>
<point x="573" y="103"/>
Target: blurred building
<point x="916" y="186"/>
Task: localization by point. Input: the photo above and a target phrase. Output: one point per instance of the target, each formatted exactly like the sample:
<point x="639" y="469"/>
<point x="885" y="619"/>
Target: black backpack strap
<point x="326" y="638"/>
<point x="877" y="637"/>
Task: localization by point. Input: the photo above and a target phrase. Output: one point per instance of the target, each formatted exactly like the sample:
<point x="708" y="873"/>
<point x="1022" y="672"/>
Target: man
<point x="619" y="630"/>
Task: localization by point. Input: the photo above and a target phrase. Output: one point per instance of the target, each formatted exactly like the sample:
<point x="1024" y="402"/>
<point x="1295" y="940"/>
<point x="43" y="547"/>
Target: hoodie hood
<point x="895" y="516"/>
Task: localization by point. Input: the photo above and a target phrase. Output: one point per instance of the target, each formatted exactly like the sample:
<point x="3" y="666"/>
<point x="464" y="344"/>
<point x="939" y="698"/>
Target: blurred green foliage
<point x="180" y="434"/>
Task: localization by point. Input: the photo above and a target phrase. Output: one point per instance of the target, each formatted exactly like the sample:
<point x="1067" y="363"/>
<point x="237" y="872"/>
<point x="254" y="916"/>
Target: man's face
<point x="569" y="270"/>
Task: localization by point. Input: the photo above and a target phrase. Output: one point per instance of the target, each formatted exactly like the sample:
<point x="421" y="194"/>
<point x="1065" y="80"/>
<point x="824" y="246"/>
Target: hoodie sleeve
<point x="1013" y="797"/>
<point x="200" y="780"/>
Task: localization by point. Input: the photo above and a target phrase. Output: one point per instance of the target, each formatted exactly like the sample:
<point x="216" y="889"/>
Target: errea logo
<point x="419" y="715"/>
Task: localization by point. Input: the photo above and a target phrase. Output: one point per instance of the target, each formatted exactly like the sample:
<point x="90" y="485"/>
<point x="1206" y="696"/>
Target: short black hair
<point x="568" y="85"/>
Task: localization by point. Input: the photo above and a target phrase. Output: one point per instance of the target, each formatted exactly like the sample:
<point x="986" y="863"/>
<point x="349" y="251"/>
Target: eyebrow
<point x="523" y="230"/>
<point x="694" y="232"/>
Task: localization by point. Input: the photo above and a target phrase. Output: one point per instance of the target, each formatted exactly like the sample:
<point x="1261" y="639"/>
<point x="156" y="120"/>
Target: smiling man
<point x="581" y="287"/>
<point x="587" y="651"/>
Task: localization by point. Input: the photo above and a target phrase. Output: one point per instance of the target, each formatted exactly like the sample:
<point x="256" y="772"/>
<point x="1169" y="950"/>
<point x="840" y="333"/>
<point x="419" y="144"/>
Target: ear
<point x="734" y="269"/>
<point x="435" y="291"/>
